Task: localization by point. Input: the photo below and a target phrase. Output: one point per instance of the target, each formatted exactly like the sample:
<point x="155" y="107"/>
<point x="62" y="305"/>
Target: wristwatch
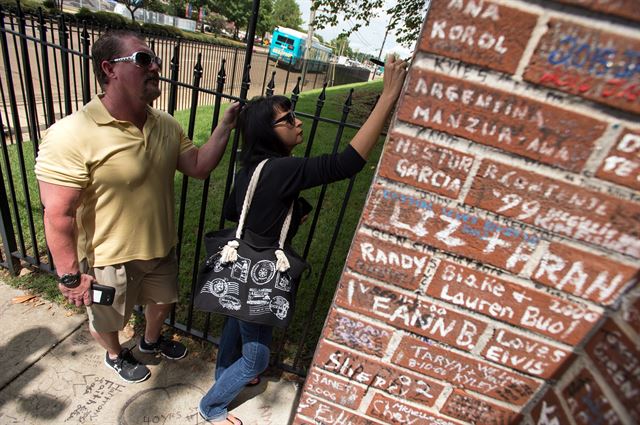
<point x="70" y="280"/>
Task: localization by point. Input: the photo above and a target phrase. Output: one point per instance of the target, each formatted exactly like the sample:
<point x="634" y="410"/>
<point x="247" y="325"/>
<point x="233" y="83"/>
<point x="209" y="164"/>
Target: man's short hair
<point x="109" y="46"/>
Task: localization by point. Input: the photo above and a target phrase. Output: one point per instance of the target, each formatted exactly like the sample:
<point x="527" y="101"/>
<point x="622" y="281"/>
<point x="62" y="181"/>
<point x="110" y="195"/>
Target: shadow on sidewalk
<point x="13" y="358"/>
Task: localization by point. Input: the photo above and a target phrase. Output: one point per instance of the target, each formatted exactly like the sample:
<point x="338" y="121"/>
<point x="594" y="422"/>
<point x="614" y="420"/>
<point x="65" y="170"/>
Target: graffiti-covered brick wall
<point x="493" y="276"/>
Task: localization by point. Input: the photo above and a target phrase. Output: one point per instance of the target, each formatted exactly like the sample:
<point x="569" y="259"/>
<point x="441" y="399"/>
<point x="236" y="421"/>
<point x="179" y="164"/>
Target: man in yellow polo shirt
<point x="106" y="182"/>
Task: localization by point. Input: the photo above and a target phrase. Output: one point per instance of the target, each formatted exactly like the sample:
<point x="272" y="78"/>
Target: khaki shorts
<point x="138" y="282"/>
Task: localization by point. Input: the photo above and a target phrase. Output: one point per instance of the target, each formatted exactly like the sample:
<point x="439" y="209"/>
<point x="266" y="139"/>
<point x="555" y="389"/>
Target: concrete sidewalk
<point x="52" y="372"/>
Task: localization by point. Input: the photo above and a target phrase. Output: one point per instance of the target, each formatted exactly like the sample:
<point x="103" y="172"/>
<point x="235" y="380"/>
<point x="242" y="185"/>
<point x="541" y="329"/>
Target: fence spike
<point x="296" y="89"/>
<point x="348" y="102"/>
<point x="323" y="93"/>
<point x="272" y="84"/>
<point x="174" y="58"/>
<point x="198" y="66"/>
<point x="296" y="94"/>
<point x="222" y="73"/>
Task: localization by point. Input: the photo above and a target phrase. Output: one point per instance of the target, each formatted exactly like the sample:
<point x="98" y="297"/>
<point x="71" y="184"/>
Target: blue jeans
<point x="243" y="354"/>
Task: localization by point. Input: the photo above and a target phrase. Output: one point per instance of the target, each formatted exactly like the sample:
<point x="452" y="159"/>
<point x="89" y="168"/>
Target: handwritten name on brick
<point x="591" y="276"/>
<point x="327" y="414"/>
<point x="392" y="411"/>
<point x="528" y="308"/>
<point x="558" y="207"/>
<point x="335" y="389"/>
<point x="482" y="33"/>
<point x="622" y="165"/>
<point x="467" y="372"/>
<point x="501" y="119"/>
<point x="357" y="334"/>
<point x="429" y="167"/>
<point x="549" y="411"/>
<point x="409" y="312"/>
<point x="471" y="409"/>
<point x="387" y="261"/>
<point x="618" y="360"/>
<point x="449" y="229"/>
<point x="525" y="354"/>
<point x="587" y="403"/>
<point x="377" y="374"/>
<point x="595" y="64"/>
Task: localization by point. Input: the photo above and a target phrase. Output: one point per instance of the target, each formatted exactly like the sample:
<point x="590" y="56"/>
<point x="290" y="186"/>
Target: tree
<point x="155" y="6"/>
<point x="236" y="11"/>
<point x="215" y="21"/>
<point x="132" y="6"/>
<point x="265" y="18"/>
<point x="286" y="13"/>
<point x="405" y="16"/>
<point x="341" y="46"/>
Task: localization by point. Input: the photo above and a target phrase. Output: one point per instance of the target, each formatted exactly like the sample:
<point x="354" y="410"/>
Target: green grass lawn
<point x="364" y="97"/>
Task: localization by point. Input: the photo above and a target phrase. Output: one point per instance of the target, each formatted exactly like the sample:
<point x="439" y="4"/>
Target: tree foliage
<point x="265" y="18"/>
<point x="132" y="6"/>
<point x="405" y="16"/>
<point x="341" y="46"/>
<point x="155" y="6"/>
<point x="286" y="13"/>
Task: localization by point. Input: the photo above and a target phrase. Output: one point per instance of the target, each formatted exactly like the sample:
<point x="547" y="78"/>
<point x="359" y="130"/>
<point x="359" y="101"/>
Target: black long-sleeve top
<point x="280" y="184"/>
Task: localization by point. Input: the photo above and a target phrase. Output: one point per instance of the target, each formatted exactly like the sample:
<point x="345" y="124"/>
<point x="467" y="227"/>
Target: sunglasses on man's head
<point x="289" y="117"/>
<point x="141" y="59"/>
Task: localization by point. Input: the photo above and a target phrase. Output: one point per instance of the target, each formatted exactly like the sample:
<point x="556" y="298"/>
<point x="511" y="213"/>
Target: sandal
<point x="255" y="381"/>
<point x="233" y="420"/>
<point x="229" y="419"/>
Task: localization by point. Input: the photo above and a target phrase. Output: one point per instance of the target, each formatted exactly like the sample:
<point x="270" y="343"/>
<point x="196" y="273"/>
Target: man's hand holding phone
<point x="82" y="289"/>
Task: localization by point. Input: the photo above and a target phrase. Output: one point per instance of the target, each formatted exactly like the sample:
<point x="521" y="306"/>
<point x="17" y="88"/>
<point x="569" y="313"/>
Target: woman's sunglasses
<point x="290" y="118"/>
<point x="141" y="59"/>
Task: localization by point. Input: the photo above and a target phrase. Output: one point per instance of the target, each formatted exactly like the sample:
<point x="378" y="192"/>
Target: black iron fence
<point x="46" y="75"/>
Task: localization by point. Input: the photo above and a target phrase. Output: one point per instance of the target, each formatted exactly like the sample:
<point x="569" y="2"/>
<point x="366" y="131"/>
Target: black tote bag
<point x="249" y="277"/>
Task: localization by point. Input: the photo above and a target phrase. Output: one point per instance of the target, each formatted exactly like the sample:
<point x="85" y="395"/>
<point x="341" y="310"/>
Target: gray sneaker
<point x="129" y="369"/>
<point x="168" y="348"/>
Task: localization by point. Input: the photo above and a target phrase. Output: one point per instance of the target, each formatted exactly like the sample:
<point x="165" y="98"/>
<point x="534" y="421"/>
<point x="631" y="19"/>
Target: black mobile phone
<point x="102" y="294"/>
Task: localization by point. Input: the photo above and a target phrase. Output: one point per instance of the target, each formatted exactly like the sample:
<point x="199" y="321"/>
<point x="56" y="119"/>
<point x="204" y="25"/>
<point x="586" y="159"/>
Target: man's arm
<point x="60" y="205"/>
<point x="198" y="163"/>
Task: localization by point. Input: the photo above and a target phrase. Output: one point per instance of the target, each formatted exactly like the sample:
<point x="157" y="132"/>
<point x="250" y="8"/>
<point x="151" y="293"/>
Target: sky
<point x="366" y="39"/>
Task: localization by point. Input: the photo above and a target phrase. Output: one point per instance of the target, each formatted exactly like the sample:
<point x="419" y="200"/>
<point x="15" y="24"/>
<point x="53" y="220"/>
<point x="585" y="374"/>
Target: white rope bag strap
<point x="230" y="250"/>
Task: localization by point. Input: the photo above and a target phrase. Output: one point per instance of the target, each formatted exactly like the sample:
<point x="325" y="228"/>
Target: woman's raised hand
<point x="394" y="72"/>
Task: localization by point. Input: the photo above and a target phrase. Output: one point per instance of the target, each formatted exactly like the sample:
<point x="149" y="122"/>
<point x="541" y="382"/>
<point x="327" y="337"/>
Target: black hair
<point x="107" y="47"/>
<point x="255" y="122"/>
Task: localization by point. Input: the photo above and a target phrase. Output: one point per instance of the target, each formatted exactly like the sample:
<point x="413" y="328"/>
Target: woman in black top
<point x="270" y="129"/>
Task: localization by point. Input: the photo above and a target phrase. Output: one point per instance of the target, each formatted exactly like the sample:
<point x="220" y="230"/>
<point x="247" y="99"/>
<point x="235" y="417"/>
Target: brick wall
<point x="492" y="279"/>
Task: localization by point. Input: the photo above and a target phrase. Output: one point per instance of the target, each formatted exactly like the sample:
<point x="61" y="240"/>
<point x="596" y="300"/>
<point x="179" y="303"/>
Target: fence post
<point x="346" y="108"/>
<point x="266" y="71"/>
<point x="251" y="32"/>
<point x="28" y="78"/>
<point x="86" y="58"/>
<point x="16" y="127"/>
<point x="175" y="67"/>
<point x="63" y="36"/>
<point x="222" y="76"/>
<point x="197" y="75"/>
<point x="6" y="226"/>
<point x="44" y="52"/>
<point x="286" y="80"/>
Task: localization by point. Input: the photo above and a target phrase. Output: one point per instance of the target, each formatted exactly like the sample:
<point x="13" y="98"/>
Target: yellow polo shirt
<point x="127" y="209"/>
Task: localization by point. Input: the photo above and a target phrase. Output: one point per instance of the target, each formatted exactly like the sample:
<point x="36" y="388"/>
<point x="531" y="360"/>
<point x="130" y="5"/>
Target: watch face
<point x="70" y="279"/>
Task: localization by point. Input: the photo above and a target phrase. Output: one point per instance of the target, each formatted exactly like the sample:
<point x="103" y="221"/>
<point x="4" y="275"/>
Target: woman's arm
<point x="393" y="80"/>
